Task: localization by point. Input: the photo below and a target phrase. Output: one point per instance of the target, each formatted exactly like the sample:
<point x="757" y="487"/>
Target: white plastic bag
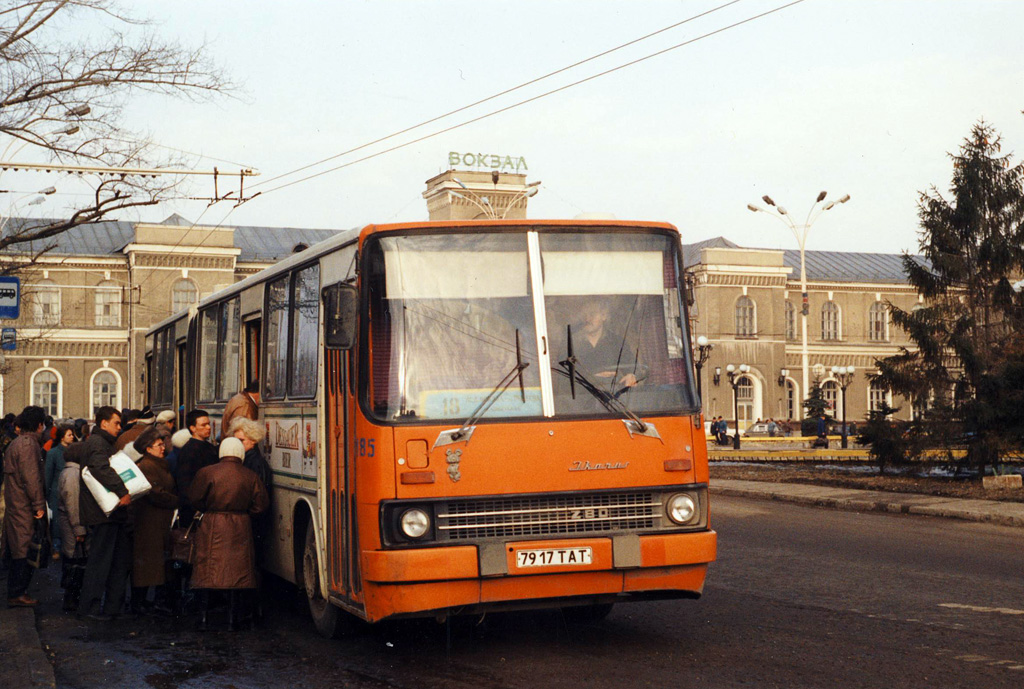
<point x="134" y="481"/>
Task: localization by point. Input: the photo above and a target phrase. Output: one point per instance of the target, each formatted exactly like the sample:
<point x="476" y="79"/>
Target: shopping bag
<point x="39" y="546"/>
<point x="134" y="481"/>
<point x="183" y="540"/>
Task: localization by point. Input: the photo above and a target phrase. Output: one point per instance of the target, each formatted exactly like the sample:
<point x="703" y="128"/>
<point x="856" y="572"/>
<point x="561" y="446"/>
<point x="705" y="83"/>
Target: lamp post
<point x="735" y="372"/>
<point x="484" y="203"/>
<point x="800" y="232"/>
<point x="703" y="352"/>
<point x="844" y="376"/>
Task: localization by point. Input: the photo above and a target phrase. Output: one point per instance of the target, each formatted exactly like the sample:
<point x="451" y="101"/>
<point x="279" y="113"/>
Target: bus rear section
<point x="525" y="431"/>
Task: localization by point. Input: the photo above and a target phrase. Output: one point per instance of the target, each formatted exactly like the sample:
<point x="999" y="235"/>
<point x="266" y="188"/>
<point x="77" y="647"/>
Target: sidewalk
<point x="23" y="664"/>
<point x="990" y="511"/>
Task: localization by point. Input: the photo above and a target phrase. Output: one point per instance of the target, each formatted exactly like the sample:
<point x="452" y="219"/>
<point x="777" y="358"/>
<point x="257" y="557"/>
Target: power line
<point x="534" y="98"/>
<point x="496" y="95"/>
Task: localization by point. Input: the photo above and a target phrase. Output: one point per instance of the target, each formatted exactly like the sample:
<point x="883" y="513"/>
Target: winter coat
<point x="52" y="467"/>
<point x="130" y="436"/>
<point x="96" y="453"/>
<point x="193" y="456"/>
<point x="68" y="522"/>
<point x="241" y="405"/>
<point x="153" y="513"/>
<point x="23" y="492"/>
<point x="227" y="494"/>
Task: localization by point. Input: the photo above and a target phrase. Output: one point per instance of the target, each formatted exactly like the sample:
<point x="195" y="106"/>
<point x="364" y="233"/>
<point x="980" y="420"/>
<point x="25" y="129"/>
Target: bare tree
<point x="67" y="99"/>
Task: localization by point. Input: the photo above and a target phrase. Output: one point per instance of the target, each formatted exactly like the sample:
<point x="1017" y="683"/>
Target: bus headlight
<point x="415" y="522"/>
<point x="681" y="509"/>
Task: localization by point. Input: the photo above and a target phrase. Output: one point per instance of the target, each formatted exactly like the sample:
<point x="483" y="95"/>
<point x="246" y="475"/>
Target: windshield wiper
<point x="465" y="431"/>
<point x="577" y="371"/>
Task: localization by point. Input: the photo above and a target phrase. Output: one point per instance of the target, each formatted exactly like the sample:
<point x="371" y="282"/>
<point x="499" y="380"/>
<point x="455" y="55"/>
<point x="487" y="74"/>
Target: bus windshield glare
<point x="452" y="315"/>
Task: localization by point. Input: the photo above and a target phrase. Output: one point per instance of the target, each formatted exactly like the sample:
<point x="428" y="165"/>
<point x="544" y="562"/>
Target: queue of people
<point x="214" y="494"/>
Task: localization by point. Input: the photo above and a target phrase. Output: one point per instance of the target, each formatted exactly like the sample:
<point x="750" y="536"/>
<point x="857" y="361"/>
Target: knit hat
<point x="166" y="416"/>
<point x="232" y="447"/>
<point x="180" y="438"/>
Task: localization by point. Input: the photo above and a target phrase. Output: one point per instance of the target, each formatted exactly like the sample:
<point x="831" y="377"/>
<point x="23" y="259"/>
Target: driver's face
<point x="594" y="318"/>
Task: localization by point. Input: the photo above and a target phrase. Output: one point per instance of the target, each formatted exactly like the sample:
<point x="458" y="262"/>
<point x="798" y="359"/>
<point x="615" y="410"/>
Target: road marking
<point x="978" y="608"/>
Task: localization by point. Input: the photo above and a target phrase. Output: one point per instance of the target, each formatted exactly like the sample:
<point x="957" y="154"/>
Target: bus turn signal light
<point x="678" y="464"/>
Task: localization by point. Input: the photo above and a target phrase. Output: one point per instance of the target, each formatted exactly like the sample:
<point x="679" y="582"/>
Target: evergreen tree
<point x="966" y="333"/>
<point x="815" y="405"/>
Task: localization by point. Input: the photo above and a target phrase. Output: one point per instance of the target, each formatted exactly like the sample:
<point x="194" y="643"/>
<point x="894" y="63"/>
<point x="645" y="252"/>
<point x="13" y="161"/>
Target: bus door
<point x="338" y="531"/>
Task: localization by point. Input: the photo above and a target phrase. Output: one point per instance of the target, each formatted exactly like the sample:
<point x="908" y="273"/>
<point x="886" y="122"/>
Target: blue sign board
<point x="8" y="339"/>
<point x="10" y="297"/>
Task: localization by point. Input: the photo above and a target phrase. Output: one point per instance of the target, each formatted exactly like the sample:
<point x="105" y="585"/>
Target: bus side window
<point x="252" y="350"/>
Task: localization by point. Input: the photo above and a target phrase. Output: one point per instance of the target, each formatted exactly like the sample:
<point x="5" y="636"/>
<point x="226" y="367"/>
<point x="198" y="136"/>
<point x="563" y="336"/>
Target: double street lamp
<point x="736" y="373"/>
<point x="844" y="376"/>
<point x="484" y="202"/>
<point x="800" y="232"/>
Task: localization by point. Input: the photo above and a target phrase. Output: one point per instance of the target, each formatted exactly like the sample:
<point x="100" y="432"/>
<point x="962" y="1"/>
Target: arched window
<point x="830" y="391"/>
<point x="108" y="305"/>
<point x="745" y="400"/>
<point x="878" y="322"/>
<point x="104" y="390"/>
<point x="46" y="303"/>
<point x="792" y="401"/>
<point x="876" y="395"/>
<point x="790" y="321"/>
<point x="746" y="325"/>
<point x="830" y="321"/>
<point x="184" y="294"/>
<point x="46" y="391"/>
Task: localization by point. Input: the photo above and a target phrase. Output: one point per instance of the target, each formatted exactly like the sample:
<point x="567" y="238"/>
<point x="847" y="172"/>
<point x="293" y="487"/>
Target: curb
<point x="22" y="660"/>
<point x="985" y="511"/>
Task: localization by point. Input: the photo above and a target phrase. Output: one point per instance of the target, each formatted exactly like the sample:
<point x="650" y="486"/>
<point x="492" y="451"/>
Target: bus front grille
<point x="548" y="515"/>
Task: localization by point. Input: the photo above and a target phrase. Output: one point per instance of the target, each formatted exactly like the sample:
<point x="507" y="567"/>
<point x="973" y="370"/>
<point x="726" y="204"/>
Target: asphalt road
<point x="800" y="597"/>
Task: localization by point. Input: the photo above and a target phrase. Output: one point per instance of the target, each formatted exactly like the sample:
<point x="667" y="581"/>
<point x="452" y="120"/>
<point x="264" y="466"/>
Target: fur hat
<point x="232" y="447"/>
<point x="166" y="416"/>
<point x="180" y="438"/>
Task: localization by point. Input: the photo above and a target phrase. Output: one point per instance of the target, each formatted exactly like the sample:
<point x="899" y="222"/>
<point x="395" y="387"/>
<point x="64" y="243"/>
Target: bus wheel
<point x="326" y="617"/>
<point x="586" y="614"/>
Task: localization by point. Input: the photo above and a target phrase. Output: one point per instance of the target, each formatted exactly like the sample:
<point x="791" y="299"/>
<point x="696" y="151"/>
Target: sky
<point x="855" y="97"/>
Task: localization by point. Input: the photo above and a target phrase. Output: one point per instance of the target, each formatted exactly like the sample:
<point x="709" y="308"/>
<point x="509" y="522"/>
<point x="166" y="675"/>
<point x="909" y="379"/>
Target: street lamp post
<point x="800" y="232"/>
<point x="703" y="352"/>
<point x="484" y="203"/>
<point x="844" y="376"/>
<point x="734" y="373"/>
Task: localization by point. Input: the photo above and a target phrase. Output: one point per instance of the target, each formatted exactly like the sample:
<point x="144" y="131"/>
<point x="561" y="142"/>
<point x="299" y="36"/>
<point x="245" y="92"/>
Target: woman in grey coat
<point x="72" y="548"/>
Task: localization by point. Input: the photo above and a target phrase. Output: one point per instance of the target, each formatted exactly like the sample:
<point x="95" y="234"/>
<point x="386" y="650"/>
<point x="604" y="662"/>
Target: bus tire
<point x="587" y="614"/>
<point x="326" y="617"/>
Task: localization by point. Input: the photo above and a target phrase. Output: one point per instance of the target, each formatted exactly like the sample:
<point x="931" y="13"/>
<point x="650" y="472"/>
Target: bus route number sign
<point x="10" y="297"/>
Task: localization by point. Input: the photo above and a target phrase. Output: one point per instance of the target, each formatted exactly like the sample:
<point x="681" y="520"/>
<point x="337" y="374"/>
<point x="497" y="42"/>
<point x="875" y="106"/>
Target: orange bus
<point x="465" y="416"/>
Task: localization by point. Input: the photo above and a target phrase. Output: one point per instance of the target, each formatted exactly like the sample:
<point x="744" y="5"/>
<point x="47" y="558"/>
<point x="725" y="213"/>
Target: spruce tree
<point x="966" y="331"/>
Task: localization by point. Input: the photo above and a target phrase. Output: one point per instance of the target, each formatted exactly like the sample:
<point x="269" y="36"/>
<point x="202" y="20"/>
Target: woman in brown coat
<point x="153" y="514"/>
<point x="228" y="495"/>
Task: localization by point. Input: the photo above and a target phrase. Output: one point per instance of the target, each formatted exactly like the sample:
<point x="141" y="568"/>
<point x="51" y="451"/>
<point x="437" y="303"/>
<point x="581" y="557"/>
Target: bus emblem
<point x="454" y="457"/>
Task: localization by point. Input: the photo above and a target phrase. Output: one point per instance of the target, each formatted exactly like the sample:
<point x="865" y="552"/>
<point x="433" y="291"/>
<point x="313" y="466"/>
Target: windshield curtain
<point x="444" y="310"/>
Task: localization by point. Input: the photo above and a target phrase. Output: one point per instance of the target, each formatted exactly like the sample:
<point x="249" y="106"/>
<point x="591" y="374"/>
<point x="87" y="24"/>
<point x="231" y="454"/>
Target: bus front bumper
<point x="403" y="582"/>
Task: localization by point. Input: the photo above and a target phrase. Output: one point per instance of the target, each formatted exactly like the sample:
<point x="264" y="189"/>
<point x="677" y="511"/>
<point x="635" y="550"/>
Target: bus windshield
<point x="452" y="315"/>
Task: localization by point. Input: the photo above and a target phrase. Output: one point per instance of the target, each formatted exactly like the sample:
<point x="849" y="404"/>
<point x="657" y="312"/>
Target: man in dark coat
<point x="26" y="503"/>
<point x="197" y="453"/>
<point x="110" y="538"/>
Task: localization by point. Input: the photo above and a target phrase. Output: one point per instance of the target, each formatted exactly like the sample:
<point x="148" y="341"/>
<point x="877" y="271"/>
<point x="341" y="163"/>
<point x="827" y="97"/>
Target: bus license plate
<point x="554" y="557"/>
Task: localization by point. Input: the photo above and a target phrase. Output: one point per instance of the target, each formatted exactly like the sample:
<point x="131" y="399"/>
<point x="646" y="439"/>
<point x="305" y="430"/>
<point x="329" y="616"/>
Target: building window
<point x="184" y="294"/>
<point x="829" y="321"/>
<point x="792" y="401"/>
<point x="830" y="391"/>
<point x="878" y="322"/>
<point x="790" y="321"/>
<point x="104" y="390"/>
<point x="108" y="305"/>
<point x="877" y="394"/>
<point x="745" y="317"/>
<point x="46" y="391"/>
<point x="745" y="401"/>
<point x="46" y="303"/>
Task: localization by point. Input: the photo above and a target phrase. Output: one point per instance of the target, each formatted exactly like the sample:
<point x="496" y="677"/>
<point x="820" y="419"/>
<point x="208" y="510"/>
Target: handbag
<point x="39" y="546"/>
<point x="183" y="540"/>
<point x="132" y="476"/>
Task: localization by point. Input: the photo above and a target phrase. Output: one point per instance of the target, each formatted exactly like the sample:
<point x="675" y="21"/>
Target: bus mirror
<point x="341" y="309"/>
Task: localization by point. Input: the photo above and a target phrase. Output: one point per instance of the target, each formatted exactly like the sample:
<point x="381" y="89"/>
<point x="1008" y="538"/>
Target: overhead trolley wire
<point x="494" y="96"/>
<point x="523" y="102"/>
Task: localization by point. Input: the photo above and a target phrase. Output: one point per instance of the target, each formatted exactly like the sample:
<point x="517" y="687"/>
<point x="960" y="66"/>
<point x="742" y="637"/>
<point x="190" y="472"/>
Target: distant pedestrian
<point x="110" y="539"/>
<point x="153" y="513"/>
<point x="25" y="500"/>
<point x="228" y="495"/>
<point x="773" y="428"/>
